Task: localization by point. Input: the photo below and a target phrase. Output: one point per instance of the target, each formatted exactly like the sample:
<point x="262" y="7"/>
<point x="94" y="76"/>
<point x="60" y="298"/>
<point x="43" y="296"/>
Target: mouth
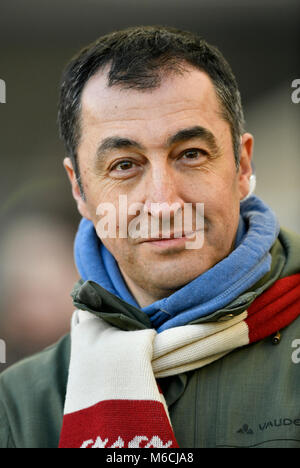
<point x="173" y="241"/>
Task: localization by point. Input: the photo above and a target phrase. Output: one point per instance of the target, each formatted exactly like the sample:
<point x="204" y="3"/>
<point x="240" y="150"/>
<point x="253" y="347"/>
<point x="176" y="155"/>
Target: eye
<point x="123" y="166"/>
<point x="194" y="154"/>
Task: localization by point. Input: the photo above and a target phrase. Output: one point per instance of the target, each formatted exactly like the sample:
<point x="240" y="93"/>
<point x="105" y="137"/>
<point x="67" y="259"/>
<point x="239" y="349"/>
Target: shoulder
<point x="42" y="366"/>
<point x="291" y="243"/>
<point x="32" y="394"/>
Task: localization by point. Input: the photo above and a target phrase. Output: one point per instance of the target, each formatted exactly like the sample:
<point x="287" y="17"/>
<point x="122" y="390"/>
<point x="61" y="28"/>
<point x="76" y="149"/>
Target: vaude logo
<point x="245" y="430"/>
<point x="272" y="424"/>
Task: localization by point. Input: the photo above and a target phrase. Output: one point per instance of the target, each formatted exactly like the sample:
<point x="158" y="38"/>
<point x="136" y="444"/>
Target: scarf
<point x="211" y="291"/>
<point x="113" y="399"/>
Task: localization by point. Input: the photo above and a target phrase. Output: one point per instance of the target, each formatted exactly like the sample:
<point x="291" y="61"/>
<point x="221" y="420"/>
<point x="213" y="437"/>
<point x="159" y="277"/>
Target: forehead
<point x="184" y="99"/>
<point x="190" y="88"/>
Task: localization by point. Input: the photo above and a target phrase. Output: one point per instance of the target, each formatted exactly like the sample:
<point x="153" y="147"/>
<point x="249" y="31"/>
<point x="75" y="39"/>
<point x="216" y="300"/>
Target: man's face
<point x="165" y="145"/>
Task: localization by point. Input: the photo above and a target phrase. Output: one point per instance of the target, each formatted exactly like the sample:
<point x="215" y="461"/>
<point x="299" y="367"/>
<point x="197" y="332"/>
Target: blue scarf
<point x="248" y="263"/>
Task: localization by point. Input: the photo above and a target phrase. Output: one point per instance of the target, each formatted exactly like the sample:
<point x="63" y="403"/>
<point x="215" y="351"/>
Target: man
<point x="173" y="339"/>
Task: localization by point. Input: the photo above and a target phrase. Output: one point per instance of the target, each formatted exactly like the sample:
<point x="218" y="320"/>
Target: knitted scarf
<point x="113" y="400"/>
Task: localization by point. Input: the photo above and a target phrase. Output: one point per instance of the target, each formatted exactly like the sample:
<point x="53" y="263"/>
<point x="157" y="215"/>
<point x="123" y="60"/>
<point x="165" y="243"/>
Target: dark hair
<point x="138" y="58"/>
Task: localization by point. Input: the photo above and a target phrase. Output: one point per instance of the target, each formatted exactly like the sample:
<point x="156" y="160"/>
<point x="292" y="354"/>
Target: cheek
<point x="216" y="191"/>
<point x="99" y="193"/>
<point x="121" y="251"/>
<point x="221" y="205"/>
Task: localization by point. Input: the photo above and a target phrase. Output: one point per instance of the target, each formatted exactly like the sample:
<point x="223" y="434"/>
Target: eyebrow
<point x="186" y="134"/>
<point x="195" y="132"/>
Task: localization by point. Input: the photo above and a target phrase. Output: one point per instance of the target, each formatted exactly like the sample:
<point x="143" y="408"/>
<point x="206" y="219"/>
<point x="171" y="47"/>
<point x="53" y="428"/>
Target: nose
<point x="162" y="192"/>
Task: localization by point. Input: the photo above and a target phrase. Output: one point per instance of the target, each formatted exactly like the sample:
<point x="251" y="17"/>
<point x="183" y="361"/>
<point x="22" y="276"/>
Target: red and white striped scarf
<point x="113" y="399"/>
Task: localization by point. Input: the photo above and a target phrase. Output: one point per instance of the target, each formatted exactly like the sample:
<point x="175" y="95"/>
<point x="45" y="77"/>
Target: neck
<point x="143" y="297"/>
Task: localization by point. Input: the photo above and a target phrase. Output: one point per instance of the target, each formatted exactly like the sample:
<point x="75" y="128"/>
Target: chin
<point x="170" y="281"/>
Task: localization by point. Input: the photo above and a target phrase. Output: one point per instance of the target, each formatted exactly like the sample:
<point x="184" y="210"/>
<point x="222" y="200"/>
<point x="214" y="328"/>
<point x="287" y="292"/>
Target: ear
<point x="245" y="169"/>
<point x="76" y="192"/>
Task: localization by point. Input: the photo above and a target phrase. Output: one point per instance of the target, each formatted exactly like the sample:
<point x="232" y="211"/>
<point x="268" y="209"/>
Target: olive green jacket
<point x="249" y="398"/>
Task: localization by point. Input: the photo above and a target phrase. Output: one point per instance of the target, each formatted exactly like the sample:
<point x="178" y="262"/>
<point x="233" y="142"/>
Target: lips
<point x="172" y="236"/>
<point x="172" y="239"/>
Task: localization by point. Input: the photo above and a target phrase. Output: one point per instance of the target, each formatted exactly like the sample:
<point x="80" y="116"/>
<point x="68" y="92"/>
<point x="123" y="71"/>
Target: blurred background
<point x="38" y="219"/>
